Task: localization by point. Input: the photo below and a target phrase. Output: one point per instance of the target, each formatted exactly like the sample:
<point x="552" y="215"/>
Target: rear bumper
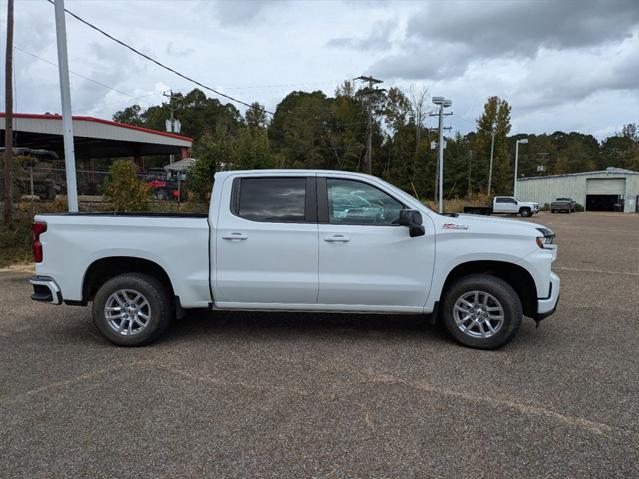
<point x="45" y="289"/>
<point x="547" y="306"/>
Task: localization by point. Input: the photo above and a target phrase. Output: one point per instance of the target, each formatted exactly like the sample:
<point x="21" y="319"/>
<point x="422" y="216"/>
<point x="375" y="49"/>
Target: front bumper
<point x="45" y="289"/>
<point x="547" y="306"/>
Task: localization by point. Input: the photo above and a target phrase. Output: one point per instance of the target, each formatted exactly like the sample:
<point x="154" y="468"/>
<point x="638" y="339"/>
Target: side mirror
<point x="412" y="219"/>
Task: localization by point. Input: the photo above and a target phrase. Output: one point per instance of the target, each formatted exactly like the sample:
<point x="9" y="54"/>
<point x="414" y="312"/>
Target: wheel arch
<point x="513" y="274"/>
<point x="103" y="269"/>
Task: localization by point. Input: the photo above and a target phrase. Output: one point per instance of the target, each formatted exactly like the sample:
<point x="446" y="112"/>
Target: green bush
<point x="579" y="207"/>
<point x="124" y="191"/>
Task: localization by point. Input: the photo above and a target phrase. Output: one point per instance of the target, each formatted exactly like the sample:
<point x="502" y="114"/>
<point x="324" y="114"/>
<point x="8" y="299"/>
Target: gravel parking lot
<point x="289" y="395"/>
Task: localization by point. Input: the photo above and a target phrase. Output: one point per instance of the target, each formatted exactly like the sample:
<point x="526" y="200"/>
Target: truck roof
<point x="290" y="172"/>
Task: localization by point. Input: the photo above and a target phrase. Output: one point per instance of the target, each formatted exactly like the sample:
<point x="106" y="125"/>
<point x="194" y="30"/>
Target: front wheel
<point x="132" y="309"/>
<point x="482" y="311"/>
<point x="525" y="212"/>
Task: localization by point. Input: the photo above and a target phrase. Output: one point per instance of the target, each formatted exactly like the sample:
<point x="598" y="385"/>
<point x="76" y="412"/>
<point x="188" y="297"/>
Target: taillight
<point x="38" y="228"/>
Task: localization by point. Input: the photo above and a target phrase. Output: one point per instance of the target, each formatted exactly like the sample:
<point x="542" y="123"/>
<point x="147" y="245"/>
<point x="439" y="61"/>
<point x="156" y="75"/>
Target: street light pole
<point x="442" y="103"/>
<point x="522" y="141"/>
<point x="65" y="94"/>
<point x="441" y="158"/>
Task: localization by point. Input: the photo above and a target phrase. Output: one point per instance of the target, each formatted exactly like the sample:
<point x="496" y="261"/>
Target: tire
<point x="525" y="212"/>
<point x="552" y="212"/>
<point x="468" y="332"/>
<point x="154" y="304"/>
<point x="162" y="195"/>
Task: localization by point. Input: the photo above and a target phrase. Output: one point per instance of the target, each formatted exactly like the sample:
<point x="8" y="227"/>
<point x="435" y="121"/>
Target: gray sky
<point x="561" y="64"/>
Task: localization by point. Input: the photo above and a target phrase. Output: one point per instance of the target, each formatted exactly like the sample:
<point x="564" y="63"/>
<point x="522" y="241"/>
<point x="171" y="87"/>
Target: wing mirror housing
<point x="412" y="219"/>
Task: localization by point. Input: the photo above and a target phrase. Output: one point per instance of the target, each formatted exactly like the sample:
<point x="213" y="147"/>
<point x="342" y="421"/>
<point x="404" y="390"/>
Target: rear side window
<point x="272" y="199"/>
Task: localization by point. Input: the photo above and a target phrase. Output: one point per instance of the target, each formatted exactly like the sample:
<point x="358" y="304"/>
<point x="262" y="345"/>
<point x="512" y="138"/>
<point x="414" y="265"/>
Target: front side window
<point x="272" y="199"/>
<point x="356" y="203"/>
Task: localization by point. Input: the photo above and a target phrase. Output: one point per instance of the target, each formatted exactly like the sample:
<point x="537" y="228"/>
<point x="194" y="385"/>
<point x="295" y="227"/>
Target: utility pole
<point x="369" y="91"/>
<point x="470" y="173"/>
<point x="8" y="120"/>
<point x="173" y="125"/>
<point x="492" y="149"/>
<point x="442" y="103"/>
<point x="65" y="96"/>
<point x="523" y="141"/>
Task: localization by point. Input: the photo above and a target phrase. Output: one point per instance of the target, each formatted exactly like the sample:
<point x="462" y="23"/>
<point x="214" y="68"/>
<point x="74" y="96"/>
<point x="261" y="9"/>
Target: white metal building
<point x="613" y="189"/>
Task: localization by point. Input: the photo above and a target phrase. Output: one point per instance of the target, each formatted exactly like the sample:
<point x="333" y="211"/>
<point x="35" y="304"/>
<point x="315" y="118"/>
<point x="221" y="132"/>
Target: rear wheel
<point x="482" y="311"/>
<point x="132" y="309"/>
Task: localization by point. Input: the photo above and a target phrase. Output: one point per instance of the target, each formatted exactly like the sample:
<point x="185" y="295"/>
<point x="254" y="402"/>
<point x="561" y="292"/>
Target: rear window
<point x="272" y="199"/>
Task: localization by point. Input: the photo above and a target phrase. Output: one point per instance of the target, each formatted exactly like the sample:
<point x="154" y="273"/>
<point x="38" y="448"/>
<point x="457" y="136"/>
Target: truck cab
<point x="512" y="205"/>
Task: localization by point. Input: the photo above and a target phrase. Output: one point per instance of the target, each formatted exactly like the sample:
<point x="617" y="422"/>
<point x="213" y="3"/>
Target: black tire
<point x="162" y="195"/>
<point x="525" y="212"/>
<point x="499" y="289"/>
<point x="552" y="212"/>
<point x="159" y="303"/>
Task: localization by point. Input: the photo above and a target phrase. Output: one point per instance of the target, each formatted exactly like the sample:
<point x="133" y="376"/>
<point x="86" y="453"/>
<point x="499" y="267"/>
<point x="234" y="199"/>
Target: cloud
<point x="521" y="28"/>
<point x="240" y="12"/>
<point x="379" y="39"/>
<point x="172" y="50"/>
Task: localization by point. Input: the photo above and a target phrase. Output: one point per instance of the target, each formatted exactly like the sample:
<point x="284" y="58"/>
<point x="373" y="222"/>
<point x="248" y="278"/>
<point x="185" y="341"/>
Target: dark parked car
<point x="563" y="204"/>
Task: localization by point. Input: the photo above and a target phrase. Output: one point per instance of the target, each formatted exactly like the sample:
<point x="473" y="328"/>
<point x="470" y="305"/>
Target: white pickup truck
<point x="298" y="240"/>
<point x="505" y="205"/>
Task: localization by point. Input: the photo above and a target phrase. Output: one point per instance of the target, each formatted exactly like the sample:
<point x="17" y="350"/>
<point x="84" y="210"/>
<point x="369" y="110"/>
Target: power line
<point x="143" y="55"/>
<point x="78" y="74"/>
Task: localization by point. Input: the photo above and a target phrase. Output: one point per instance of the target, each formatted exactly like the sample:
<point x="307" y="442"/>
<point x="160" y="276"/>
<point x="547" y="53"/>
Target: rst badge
<point x="453" y="226"/>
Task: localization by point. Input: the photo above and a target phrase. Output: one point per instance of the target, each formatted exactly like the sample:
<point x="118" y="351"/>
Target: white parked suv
<point x="298" y="240"/>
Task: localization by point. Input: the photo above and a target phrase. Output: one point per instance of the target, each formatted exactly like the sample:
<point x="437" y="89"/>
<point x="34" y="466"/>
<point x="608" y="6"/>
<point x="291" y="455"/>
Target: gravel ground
<point x="290" y="395"/>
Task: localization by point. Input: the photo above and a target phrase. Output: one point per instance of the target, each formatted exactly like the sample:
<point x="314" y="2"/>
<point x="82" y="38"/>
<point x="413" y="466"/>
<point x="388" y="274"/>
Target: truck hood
<point x="488" y="220"/>
<point x="486" y="226"/>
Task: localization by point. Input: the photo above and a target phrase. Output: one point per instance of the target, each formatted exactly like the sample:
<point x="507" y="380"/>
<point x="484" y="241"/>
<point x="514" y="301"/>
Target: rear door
<point x="367" y="261"/>
<point x="267" y="243"/>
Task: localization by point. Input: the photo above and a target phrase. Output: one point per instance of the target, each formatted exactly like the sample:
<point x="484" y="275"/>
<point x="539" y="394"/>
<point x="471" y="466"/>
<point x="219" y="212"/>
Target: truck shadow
<point x="286" y="324"/>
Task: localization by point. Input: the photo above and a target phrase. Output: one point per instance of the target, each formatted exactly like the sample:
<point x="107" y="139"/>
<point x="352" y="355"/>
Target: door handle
<point x="235" y="236"/>
<point x="337" y="239"/>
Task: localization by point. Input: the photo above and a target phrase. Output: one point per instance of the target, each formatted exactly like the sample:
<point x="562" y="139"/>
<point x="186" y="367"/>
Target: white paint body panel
<point x="289" y="266"/>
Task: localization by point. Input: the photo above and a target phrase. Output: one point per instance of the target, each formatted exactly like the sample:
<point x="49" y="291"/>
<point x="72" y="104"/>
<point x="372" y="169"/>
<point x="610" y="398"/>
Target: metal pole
<point x="470" y="173"/>
<point x="441" y="159"/>
<point x="171" y="157"/>
<point x="516" y="162"/>
<point x="490" y="169"/>
<point x="369" y="138"/>
<point x="65" y="96"/>
<point x="8" y="120"/>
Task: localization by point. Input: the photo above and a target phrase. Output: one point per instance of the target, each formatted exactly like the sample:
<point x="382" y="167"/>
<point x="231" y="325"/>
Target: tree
<point x="496" y="116"/>
<point x="630" y="131"/>
<point x="255" y="116"/>
<point x="131" y="115"/>
<point x="124" y="191"/>
<point x="298" y="130"/>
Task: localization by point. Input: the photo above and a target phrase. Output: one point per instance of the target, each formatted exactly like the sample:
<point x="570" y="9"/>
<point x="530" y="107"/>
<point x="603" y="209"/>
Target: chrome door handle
<point x="235" y="236"/>
<point x="337" y="239"/>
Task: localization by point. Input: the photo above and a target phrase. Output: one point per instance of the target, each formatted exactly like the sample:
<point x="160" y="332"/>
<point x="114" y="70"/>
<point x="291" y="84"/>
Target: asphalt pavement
<point x="297" y="395"/>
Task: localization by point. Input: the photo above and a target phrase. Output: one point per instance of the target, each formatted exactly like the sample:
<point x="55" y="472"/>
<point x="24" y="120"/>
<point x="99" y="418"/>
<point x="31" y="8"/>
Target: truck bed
<point x="177" y="242"/>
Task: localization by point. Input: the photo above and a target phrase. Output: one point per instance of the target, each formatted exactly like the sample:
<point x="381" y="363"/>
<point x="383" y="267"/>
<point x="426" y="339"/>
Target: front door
<point x="367" y="261"/>
<point x="266" y="243"/>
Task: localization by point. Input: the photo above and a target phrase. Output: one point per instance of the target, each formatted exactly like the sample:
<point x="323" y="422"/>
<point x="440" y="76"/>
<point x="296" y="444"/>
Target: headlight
<point x="547" y="238"/>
